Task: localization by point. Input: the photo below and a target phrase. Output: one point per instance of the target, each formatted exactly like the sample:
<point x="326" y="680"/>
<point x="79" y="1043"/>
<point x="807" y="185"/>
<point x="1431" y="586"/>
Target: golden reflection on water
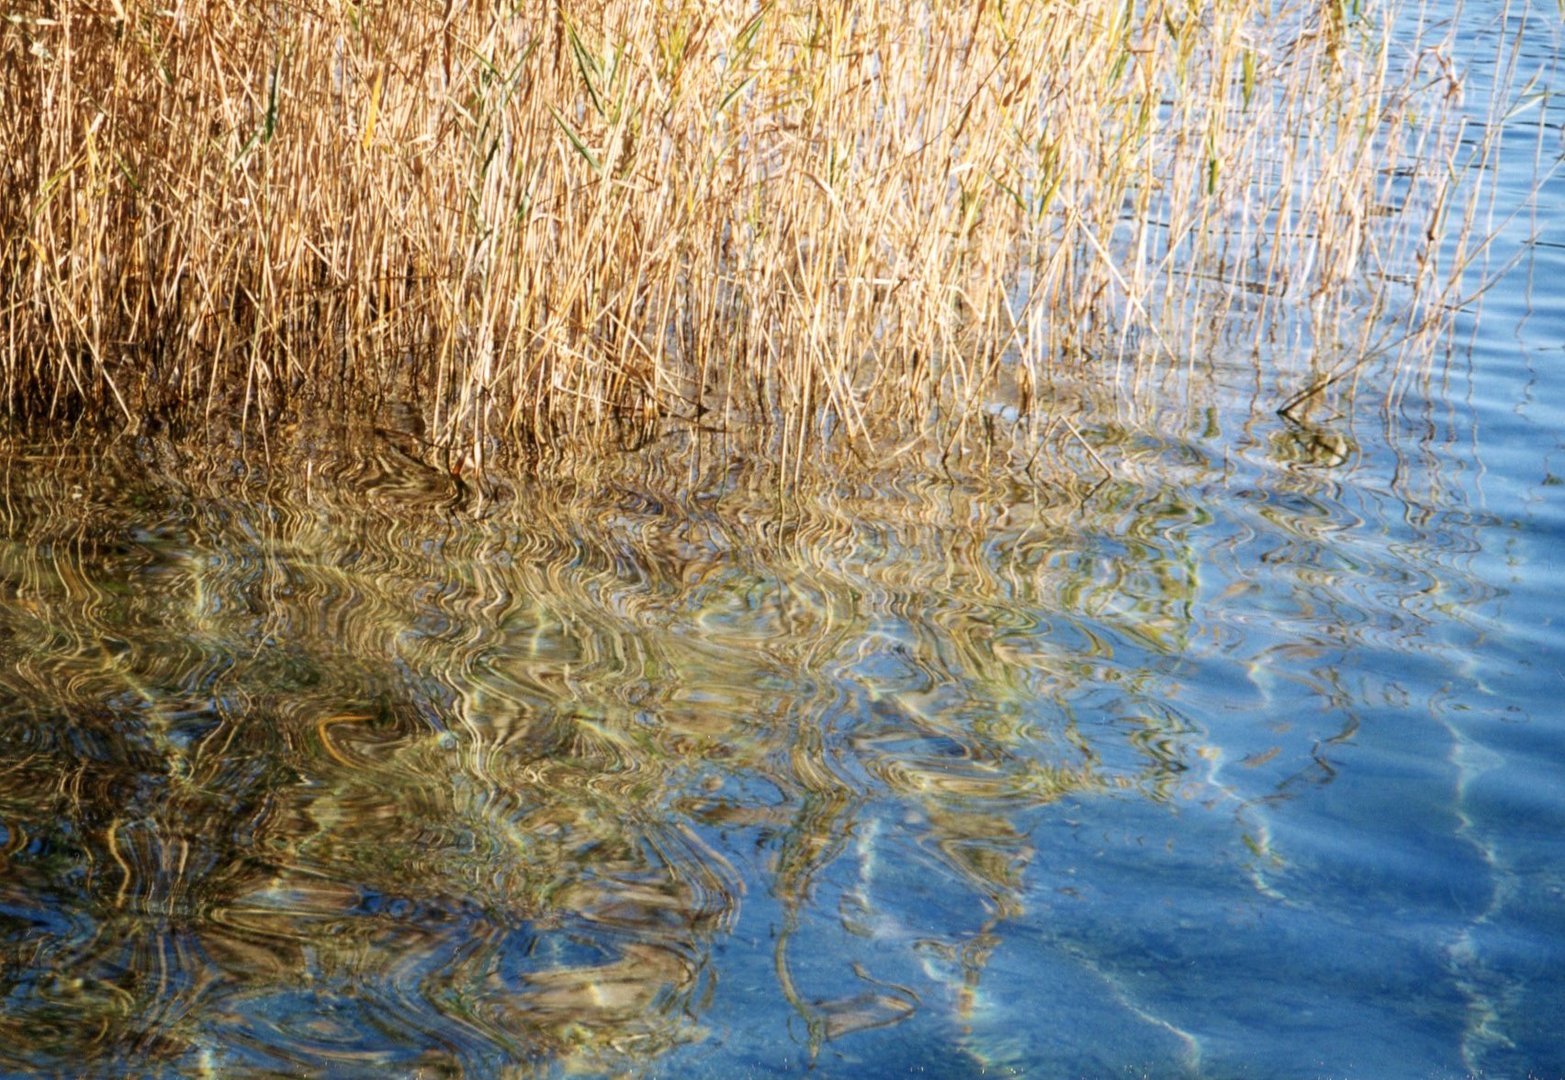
<point x="299" y="754"/>
<point x="338" y="761"/>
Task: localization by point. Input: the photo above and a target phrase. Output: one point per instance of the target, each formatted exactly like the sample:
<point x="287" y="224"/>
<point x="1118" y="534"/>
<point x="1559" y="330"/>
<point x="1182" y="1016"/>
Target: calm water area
<point x="1247" y="762"/>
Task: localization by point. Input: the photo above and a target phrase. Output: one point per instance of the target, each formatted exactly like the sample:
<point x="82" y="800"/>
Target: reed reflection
<point x="336" y="761"/>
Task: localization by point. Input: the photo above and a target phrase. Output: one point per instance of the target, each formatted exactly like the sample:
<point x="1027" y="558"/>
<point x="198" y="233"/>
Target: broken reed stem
<point x="540" y="221"/>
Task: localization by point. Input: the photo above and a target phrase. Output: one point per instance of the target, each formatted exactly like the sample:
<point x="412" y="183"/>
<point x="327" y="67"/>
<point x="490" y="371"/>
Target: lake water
<point x="1247" y="762"/>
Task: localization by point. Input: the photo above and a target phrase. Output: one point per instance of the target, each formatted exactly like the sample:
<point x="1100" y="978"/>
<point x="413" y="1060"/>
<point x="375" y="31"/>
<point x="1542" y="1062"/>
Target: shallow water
<point x="1245" y="762"/>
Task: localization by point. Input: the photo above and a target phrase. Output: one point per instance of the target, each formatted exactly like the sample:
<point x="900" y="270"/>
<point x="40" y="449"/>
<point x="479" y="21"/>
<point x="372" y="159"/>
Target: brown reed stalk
<point x="540" y="221"/>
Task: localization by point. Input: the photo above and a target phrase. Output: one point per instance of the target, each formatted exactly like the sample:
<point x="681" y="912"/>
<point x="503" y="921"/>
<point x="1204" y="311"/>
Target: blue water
<point x="1356" y="866"/>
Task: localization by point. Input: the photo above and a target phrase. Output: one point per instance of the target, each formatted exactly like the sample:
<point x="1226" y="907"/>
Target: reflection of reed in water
<point x="478" y="785"/>
<point x="236" y="785"/>
<point x="487" y="775"/>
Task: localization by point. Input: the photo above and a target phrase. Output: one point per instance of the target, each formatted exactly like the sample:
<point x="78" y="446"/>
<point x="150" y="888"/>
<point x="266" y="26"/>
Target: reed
<point x="540" y="221"/>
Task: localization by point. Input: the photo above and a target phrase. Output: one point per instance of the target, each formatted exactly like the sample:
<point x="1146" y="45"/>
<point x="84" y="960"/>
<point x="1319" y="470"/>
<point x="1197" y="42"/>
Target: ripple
<point x="339" y="765"/>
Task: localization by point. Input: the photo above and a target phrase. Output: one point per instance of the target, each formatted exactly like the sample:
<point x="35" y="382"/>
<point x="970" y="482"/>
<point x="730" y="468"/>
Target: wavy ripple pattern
<point x="340" y="764"/>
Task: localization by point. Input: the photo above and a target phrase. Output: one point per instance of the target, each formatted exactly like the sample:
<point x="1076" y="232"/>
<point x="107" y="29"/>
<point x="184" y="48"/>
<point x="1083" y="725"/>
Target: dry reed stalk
<point x="540" y="221"/>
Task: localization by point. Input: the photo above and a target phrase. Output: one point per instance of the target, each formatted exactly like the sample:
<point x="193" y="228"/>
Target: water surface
<point x="1241" y="760"/>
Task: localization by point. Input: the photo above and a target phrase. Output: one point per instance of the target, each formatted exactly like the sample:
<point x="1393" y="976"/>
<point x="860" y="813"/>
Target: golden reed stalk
<point x="536" y="221"/>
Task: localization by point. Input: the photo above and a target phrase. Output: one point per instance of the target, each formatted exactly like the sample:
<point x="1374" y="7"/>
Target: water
<point x="1244" y="762"/>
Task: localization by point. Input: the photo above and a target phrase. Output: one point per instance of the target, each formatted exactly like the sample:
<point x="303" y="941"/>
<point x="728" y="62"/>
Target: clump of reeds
<point x="545" y="219"/>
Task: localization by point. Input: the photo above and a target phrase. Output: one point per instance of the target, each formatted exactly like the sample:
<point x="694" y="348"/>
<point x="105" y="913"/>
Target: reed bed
<point x="830" y="220"/>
